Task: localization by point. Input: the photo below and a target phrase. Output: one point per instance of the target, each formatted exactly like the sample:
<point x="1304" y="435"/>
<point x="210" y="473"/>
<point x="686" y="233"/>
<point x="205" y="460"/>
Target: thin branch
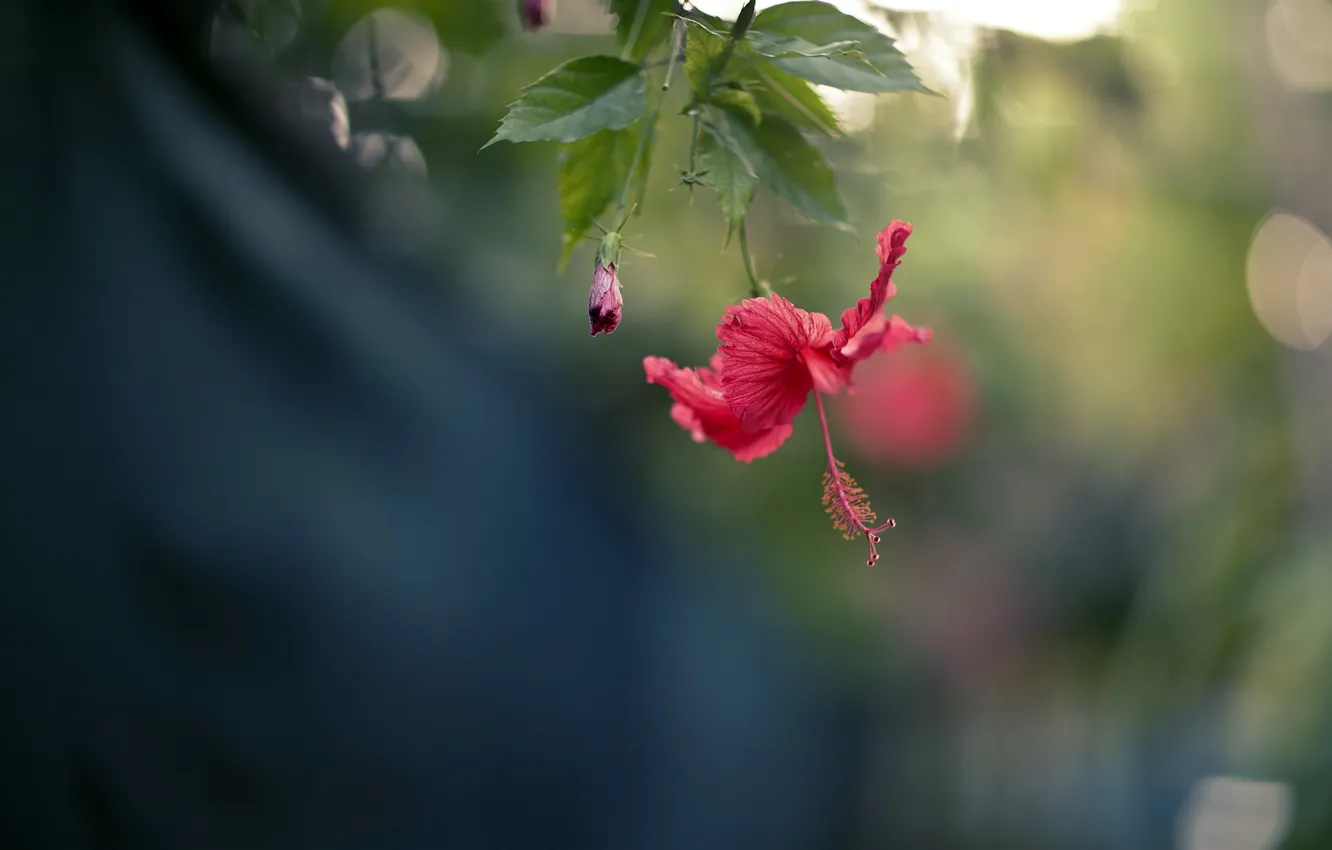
<point x="677" y="51"/>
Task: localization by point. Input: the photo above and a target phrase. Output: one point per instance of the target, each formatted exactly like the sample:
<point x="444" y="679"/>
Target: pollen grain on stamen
<point x="846" y="502"/>
<point x="848" y="505"/>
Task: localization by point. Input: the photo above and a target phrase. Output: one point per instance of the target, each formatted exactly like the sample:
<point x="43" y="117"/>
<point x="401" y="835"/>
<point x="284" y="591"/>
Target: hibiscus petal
<point x="701" y="410"/>
<point x="748" y="446"/>
<point x="890" y="248"/>
<point x="687" y="419"/>
<point x="899" y="333"/>
<point x="764" y="377"/>
<point x="892" y="242"/>
<point x="866" y="340"/>
<point x="828" y="377"/>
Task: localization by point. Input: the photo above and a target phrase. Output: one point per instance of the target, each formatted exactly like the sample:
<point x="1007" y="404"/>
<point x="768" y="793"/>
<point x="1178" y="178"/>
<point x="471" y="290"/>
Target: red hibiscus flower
<point x="772" y="354"/>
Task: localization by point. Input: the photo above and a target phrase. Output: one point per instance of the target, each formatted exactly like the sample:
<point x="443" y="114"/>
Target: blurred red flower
<point x="915" y="410"/>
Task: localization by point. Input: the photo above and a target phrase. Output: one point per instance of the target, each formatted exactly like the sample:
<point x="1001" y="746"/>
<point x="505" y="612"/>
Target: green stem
<point x="653" y="110"/>
<point x="677" y="47"/>
<point x="693" y="143"/>
<point x="649" y="127"/>
<point x="623" y="200"/>
<point x="757" y="288"/>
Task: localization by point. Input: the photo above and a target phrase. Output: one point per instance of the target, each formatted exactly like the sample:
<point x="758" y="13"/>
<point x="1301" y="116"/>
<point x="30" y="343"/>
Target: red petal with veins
<point x="764" y="376"/>
<point x="701" y="410"/>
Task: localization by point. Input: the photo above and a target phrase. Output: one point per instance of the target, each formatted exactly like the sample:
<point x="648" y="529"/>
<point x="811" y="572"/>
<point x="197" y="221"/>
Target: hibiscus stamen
<point x="844" y="500"/>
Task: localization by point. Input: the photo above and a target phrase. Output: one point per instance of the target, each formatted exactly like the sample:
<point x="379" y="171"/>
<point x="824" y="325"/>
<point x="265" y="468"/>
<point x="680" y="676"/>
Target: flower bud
<point x="535" y="14"/>
<point x="604" y="304"/>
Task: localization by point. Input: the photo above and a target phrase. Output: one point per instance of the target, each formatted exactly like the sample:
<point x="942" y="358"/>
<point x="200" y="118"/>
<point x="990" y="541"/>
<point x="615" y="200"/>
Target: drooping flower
<point x="604" y="302"/>
<point x="535" y="14"/>
<point x="772" y="354"/>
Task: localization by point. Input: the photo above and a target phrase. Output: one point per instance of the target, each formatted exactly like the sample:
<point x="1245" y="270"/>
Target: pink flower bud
<point x="604" y="304"/>
<point x="535" y="14"/>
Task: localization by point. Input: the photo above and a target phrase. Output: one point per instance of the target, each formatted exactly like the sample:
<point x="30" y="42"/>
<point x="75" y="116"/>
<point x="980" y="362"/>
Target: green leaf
<point x="739" y="99"/>
<point x="795" y="171"/>
<point x="792" y="98"/>
<point x="592" y="172"/>
<point x="576" y="100"/>
<point x="645" y="23"/>
<point x="787" y="47"/>
<point x="743" y="20"/>
<point x="730" y="176"/>
<point x="785" y="162"/>
<point x="825" y="46"/>
<point x="703" y="50"/>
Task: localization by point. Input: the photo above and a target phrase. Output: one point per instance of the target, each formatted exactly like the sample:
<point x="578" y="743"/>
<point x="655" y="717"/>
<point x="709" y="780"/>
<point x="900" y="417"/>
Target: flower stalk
<point x="757" y="288"/>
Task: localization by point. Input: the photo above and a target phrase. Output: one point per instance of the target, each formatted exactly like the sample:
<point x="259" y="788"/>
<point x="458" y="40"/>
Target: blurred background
<point x="1103" y="618"/>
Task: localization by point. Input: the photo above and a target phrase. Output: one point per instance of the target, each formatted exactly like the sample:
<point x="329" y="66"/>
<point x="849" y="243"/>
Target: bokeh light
<point x="390" y="54"/>
<point x="1299" y="43"/>
<point x="1290" y="280"/>
<point x="1228" y="813"/>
